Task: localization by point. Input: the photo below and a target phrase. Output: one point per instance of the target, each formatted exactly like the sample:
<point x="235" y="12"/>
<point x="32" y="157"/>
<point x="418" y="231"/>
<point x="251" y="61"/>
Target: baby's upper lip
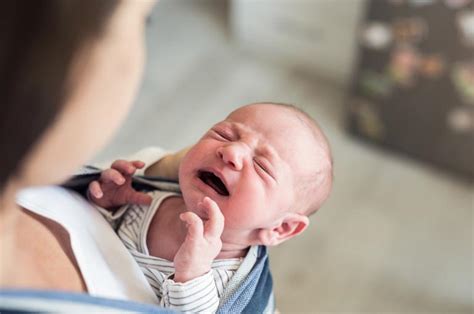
<point x="218" y="174"/>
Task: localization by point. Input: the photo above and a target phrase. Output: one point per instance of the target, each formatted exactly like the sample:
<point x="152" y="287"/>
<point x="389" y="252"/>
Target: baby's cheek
<point x="241" y="217"/>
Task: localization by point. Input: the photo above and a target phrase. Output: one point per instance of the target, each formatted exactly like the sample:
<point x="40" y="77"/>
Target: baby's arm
<point x="199" y="295"/>
<point x="193" y="289"/>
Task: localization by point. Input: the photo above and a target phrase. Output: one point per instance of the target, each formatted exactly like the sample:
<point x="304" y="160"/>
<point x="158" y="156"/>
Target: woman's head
<point x="68" y="73"/>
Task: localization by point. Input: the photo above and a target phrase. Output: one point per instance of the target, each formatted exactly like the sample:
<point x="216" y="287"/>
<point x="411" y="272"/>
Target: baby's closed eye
<point x="222" y="134"/>
<point x="263" y="166"/>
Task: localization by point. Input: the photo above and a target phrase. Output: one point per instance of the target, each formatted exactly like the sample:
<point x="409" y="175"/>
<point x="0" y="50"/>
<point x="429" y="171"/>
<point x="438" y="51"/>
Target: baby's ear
<point x="292" y="225"/>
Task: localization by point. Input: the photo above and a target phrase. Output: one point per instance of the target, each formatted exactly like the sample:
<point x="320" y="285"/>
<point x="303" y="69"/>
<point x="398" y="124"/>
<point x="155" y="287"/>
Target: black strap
<point x="80" y="182"/>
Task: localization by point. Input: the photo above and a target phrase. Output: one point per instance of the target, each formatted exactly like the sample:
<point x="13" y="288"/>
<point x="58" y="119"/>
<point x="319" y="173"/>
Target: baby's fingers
<point x="140" y="198"/>
<point x="112" y="175"/>
<point x="215" y="225"/>
<point x="138" y="164"/>
<point x="127" y="167"/>
<point x="194" y="224"/>
<point x="95" y="190"/>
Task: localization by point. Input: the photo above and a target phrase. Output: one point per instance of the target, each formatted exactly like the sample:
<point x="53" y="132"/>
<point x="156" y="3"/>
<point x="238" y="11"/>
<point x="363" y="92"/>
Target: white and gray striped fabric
<point x="201" y="294"/>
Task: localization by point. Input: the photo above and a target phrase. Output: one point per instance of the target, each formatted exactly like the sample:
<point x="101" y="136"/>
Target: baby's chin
<point x="192" y="204"/>
<point x="192" y="201"/>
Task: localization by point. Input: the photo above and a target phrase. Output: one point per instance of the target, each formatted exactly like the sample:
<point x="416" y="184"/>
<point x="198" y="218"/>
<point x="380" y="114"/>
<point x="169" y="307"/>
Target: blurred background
<point x="391" y="83"/>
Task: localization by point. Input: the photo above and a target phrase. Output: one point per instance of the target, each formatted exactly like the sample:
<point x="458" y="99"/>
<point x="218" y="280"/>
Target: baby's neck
<point x="229" y="252"/>
<point x="167" y="232"/>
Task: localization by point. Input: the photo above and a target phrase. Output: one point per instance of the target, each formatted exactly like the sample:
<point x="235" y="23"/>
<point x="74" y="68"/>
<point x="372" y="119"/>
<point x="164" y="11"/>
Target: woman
<point x="69" y="73"/>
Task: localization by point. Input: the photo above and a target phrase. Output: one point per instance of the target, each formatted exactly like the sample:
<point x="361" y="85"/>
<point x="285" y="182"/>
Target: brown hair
<point x="38" y="41"/>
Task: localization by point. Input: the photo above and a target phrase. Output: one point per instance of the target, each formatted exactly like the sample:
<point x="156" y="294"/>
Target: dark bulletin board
<point x="413" y="85"/>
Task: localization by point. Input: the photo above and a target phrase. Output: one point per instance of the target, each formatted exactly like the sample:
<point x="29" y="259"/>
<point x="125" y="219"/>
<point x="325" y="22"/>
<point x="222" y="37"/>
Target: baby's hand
<point x="202" y="244"/>
<point x="114" y="187"/>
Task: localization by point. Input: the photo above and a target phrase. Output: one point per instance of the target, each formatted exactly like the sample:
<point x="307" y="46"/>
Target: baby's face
<point x="248" y="164"/>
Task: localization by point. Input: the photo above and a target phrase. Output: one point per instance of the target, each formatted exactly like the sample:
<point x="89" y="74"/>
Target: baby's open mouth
<point x="213" y="181"/>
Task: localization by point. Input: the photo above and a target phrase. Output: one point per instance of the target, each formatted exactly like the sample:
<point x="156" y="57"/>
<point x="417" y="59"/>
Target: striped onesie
<point x="201" y="294"/>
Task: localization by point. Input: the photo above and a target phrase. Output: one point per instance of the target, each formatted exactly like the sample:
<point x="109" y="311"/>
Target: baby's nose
<point x="232" y="155"/>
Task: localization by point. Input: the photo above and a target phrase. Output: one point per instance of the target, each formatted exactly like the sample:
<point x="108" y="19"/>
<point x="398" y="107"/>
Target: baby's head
<point x="268" y="166"/>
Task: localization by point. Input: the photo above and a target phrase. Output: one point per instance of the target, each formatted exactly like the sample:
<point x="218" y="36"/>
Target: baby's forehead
<point x="259" y="109"/>
<point x="281" y="129"/>
<point x="266" y="118"/>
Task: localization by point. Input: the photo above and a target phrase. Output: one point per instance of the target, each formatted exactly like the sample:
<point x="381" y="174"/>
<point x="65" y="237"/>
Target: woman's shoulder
<point x="106" y="266"/>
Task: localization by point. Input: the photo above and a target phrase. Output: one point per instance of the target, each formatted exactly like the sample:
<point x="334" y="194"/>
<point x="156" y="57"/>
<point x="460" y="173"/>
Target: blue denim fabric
<point x="34" y="301"/>
<point x="255" y="291"/>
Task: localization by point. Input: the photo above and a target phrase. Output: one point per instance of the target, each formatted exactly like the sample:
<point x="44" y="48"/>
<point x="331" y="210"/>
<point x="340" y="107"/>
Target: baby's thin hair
<point x="314" y="188"/>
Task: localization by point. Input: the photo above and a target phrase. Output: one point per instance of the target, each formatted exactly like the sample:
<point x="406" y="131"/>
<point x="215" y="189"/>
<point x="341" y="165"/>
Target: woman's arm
<point x="167" y="166"/>
<point x="158" y="162"/>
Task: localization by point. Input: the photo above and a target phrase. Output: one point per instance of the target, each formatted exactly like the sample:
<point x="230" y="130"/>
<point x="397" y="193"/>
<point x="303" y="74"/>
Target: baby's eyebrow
<point x="230" y="124"/>
<point x="268" y="151"/>
<point x="236" y="126"/>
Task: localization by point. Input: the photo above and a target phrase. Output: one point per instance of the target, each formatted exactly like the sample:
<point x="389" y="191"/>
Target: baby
<point x="252" y="179"/>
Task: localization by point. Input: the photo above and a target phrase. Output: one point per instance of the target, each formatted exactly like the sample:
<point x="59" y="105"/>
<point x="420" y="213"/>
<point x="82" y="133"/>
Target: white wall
<point x="314" y="35"/>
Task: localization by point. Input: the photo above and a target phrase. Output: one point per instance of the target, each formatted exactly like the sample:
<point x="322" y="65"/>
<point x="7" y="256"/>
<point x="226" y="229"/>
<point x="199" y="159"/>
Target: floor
<point x="396" y="235"/>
